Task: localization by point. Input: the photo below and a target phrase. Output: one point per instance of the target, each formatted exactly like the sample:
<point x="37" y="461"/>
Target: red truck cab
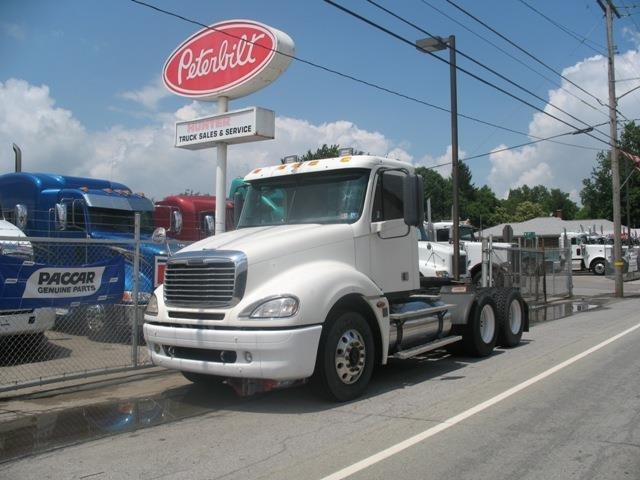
<point x="190" y="217"/>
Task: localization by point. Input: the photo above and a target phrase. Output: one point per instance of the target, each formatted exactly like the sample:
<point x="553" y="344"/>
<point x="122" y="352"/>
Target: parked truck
<point x="593" y="252"/>
<point x="190" y="217"/>
<point x="21" y="324"/>
<point x="65" y="207"/>
<point x="435" y="259"/>
<point x="322" y="284"/>
<point x="472" y="246"/>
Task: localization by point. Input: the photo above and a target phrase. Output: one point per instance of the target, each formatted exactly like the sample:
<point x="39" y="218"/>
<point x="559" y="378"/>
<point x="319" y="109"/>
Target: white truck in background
<point x="320" y="280"/>
<point x="473" y="249"/>
<point x="588" y="252"/>
<point x="435" y="260"/>
<point x="21" y="323"/>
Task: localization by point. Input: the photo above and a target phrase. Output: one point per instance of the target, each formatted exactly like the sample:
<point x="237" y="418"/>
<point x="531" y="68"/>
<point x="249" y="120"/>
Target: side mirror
<point x="61" y="216"/>
<point x="20" y="214"/>
<point x="209" y="225"/>
<point x="176" y="221"/>
<point x="159" y="235"/>
<point x="413" y="197"/>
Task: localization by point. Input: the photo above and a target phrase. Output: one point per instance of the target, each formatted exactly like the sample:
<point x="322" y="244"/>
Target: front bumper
<point x="19" y="322"/>
<point x="282" y="354"/>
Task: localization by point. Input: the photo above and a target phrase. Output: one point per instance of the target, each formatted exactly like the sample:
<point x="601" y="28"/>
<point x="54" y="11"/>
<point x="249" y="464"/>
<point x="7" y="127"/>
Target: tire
<point x="599" y="267"/>
<point x="201" y="378"/>
<point x="96" y="329"/>
<point x="480" y="335"/>
<point x="497" y="277"/>
<point x="344" y="363"/>
<point x="510" y="315"/>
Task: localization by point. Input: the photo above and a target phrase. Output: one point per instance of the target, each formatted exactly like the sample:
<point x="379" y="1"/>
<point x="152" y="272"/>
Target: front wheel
<point x="599" y="267"/>
<point x="345" y="357"/>
<point x="479" y="338"/>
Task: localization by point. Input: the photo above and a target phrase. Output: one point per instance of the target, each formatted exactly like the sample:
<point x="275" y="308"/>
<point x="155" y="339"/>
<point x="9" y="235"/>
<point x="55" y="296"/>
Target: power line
<point x="547" y="139"/>
<point x="582" y="40"/>
<point x="513" y="57"/>
<point x="480" y="64"/>
<point x="472" y="75"/>
<point x="522" y="49"/>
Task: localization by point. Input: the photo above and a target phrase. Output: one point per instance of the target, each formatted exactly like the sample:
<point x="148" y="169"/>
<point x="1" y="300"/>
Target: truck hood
<point x="9" y="230"/>
<point x="265" y="243"/>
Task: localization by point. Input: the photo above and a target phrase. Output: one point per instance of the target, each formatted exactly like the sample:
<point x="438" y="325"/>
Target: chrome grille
<point x="204" y="279"/>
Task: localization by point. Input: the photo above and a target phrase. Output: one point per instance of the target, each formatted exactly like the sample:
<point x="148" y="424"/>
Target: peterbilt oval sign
<point x="228" y="59"/>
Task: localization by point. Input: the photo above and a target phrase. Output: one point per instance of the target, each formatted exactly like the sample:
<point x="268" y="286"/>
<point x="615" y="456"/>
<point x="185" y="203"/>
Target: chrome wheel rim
<point x="515" y="316"/>
<point x="487" y="323"/>
<point x="350" y="357"/>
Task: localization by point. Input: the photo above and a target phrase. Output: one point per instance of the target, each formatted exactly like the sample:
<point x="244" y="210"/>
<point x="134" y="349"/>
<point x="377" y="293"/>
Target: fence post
<point x="136" y="289"/>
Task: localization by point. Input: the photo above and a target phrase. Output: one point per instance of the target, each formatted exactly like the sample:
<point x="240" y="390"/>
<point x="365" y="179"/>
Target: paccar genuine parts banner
<point x="33" y="285"/>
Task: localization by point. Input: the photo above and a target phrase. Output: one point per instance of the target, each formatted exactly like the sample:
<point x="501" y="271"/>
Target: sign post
<point x="224" y="61"/>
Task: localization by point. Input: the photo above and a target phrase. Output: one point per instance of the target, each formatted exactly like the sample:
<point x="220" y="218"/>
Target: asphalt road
<point x="554" y="407"/>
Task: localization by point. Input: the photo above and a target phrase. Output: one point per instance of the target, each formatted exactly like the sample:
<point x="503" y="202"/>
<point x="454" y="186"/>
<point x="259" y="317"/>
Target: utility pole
<point x="609" y="11"/>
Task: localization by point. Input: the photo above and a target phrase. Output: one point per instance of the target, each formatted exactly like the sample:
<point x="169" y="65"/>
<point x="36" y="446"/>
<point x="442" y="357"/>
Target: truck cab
<point x="190" y="217"/>
<point x="473" y="248"/>
<point x="61" y="207"/>
<point x="436" y="259"/>
<point x="320" y="280"/>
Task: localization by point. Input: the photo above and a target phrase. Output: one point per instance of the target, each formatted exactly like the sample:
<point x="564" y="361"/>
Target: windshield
<point x="336" y="197"/>
<point x="119" y="221"/>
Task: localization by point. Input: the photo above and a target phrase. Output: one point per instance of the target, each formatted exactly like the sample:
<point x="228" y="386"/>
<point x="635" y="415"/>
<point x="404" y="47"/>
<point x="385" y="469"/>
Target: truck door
<point x="393" y="244"/>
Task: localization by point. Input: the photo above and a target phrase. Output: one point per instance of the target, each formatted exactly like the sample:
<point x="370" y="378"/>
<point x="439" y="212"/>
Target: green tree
<point x="325" y="151"/>
<point x="528" y="210"/>
<point x="481" y="210"/>
<point x="438" y="189"/>
<point x="559" y="201"/>
<point x="596" y="194"/>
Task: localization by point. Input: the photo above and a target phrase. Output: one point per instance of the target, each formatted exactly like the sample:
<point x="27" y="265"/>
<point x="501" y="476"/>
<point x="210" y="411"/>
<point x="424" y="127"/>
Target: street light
<point x="430" y="45"/>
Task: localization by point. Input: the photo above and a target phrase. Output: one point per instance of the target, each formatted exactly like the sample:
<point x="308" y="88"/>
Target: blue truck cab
<point x="58" y="206"/>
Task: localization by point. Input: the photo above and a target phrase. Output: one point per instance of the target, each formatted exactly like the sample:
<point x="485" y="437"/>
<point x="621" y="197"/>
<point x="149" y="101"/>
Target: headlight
<point x="279" y="307"/>
<point x="152" y="306"/>
<point x="143" y="297"/>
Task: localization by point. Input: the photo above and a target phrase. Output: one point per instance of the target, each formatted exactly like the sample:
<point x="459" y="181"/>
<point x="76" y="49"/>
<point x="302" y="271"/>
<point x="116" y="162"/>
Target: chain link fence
<point x="92" y="295"/>
<point x="540" y="274"/>
<point x="630" y="260"/>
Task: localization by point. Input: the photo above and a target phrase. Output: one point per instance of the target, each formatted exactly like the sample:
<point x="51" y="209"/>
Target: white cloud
<point x="440" y="163"/>
<point x="148" y="96"/>
<point x="13" y="30"/>
<point x="145" y="159"/>
<point x="560" y="166"/>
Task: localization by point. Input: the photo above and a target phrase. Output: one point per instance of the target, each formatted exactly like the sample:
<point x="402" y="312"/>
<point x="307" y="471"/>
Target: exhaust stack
<point x="18" y="154"/>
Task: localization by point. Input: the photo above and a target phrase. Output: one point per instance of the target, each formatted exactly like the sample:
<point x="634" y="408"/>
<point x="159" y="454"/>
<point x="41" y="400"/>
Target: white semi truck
<point x="473" y="250"/>
<point x="319" y="281"/>
<point x="588" y="252"/>
<point x="21" y="323"/>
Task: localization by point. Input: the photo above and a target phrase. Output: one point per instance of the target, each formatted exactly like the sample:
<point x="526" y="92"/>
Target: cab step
<point x="427" y="347"/>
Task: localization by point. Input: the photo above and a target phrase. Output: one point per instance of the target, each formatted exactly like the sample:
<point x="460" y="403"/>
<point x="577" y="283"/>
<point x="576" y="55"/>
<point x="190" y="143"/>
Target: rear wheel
<point x="497" y="278"/>
<point x="479" y="337"/>
<point x="510" y="315"/>
<point x="345" y="357"/>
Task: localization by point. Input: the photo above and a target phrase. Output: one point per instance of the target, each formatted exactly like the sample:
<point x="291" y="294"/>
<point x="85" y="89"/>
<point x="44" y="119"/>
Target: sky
<point x="81" y="87"/>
